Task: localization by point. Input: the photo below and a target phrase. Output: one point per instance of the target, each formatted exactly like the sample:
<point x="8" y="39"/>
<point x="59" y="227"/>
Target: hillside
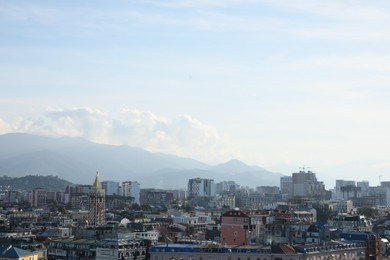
<point x="49" y="183"/>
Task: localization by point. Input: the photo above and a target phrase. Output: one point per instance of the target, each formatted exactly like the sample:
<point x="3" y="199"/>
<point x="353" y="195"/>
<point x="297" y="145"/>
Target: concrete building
<point x="156" y="197"/>
<point x="226" y="187"/>
<point x="286" y="186"/>
<point x="38" y="198"/>
<point x="268" y="190"/>
<point x="364" y="188"/>
<point x="341" y="190"/>
<point x="201" y="187"/>
<point x="342" y="206"/>
<point x="305" y="184"/>
<point x="236" y="228"/>
<point x="329" y="250"/>
<point x="111" y="187"/>
<point x="131" y="189"/>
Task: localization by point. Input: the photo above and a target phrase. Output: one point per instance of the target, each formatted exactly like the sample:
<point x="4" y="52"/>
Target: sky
<point x="278" y="84"/>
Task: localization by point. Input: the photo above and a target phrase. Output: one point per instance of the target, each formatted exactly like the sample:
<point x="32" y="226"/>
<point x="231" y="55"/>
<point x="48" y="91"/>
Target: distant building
<point x="131" y="189"/>
<point x="286" y="186"/>
<point x="305" y="184"/>
<point x="364" y="188"/>
<point x="226" y="187"/>
<point x="201" y="187"/>
<point x="341" y="190"/>
<point x="96" y="212"/>
<point x="111" y="187"/>
<point x="268" y="190"/>
<point x="156" y="197"/>
<point x="38" y="198"/>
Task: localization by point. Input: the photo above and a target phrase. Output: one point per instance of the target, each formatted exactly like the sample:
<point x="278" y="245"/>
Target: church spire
<point x="97" y="184"/>
<point x="96" y="204"/>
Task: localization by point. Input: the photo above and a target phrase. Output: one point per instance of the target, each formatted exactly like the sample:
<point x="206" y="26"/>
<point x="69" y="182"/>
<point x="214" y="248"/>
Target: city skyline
<point x="280" y="85"/>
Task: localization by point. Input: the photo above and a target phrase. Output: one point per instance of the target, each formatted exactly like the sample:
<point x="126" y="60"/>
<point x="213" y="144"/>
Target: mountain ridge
<point x="76" y="159"/>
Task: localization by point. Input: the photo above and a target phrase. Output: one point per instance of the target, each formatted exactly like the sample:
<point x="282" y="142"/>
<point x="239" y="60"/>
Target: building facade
<point x="131" y="189"/>
<point x="201" y="187"/>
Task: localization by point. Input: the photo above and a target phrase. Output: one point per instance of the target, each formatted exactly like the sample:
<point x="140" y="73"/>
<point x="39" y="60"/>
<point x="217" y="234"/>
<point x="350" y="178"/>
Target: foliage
<point x="367" y="212"/>
<point x="323" y="212"/>
<point x="49" y="183"/>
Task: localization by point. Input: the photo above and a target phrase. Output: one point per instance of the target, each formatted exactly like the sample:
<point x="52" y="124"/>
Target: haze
<point x="279" y="84"/>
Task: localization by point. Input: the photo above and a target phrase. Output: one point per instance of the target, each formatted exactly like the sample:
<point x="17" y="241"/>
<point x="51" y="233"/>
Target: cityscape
<point x="299" y="219"/>
<point x="194" y="130"/>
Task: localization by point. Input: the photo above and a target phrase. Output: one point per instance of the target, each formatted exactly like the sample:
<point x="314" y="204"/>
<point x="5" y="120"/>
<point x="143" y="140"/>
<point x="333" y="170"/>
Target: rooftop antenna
<point x="380" y="176"/>
<point x="303" y="168"/>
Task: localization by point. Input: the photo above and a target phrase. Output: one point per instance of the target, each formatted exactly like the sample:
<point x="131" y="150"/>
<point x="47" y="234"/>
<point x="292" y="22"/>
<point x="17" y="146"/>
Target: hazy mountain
<point x="234" y="166"/>
<point x="77" y="160"/>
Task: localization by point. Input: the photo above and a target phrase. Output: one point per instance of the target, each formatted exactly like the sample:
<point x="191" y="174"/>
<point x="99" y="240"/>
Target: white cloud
<point x="4" y="127"/>
<point x="183" y="136"/>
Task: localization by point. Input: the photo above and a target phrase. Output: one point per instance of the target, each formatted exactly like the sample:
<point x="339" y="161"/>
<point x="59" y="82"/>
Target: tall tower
<point x="96" y="203"/>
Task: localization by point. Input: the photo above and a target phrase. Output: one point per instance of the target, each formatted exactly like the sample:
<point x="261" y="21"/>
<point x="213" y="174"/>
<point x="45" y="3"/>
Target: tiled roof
<point x="13" y="252"/>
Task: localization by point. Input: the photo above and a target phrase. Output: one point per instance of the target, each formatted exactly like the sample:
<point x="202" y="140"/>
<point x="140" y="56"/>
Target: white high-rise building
<point x="131" y="189"/>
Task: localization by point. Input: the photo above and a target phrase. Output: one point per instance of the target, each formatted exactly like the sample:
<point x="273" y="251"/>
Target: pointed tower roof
<point x="97" y="184"/>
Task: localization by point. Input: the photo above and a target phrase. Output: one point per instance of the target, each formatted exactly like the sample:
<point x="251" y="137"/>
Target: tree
<point x="367" y="212"/>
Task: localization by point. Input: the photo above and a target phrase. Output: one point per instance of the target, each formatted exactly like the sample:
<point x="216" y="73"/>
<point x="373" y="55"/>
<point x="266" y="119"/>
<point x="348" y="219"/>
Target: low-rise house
<point x="11" y="252"/>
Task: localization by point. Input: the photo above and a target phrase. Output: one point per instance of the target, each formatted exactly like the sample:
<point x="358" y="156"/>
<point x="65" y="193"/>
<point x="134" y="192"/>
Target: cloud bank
<point x="182" y="136"/>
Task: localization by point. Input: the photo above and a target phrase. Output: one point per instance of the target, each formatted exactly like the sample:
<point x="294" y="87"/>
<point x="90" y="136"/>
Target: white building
<point x="131" y="189"/>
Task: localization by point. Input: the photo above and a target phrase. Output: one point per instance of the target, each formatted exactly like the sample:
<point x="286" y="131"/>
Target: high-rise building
<point x="305" y="184"/>
<point x="201" y="187"/>
<point x="226" y="187"/>
<point x="131" y="189"/>
<point x="364" y="188"/>
<point x="343" y="188"/>
<point x="38" y="197"/>
<point x="286" y="185"/>
<point x="96" y="203"/>
<point x="111" y="187"/>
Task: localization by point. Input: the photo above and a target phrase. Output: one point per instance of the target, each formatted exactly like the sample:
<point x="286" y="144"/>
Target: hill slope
<point x="49" y="183"/>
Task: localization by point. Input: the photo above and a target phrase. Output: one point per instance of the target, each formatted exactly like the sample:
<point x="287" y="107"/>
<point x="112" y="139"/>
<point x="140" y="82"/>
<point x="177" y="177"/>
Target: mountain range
<point x="77" y="160"/>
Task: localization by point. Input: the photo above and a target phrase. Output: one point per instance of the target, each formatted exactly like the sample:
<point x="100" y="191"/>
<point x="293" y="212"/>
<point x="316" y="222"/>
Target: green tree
<point x="367" y="212"/>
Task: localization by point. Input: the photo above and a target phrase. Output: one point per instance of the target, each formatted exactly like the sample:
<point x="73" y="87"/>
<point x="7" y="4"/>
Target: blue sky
<point x="279" y="84"/>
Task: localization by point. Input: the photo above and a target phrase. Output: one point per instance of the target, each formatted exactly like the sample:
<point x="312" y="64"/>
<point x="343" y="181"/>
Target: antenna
<point x="380" y="176"/>
<point x="303" y="168"/>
